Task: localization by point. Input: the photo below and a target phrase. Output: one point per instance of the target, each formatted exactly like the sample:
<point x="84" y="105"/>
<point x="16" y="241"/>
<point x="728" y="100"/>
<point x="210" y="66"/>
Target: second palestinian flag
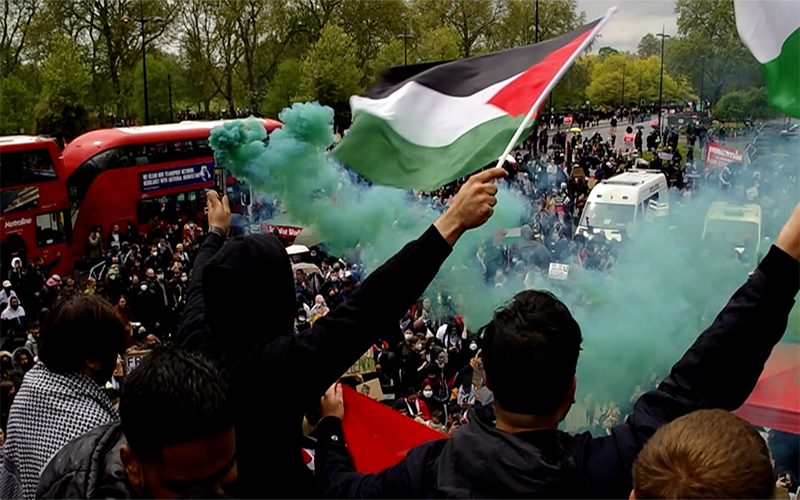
<point x="423" y="126"/>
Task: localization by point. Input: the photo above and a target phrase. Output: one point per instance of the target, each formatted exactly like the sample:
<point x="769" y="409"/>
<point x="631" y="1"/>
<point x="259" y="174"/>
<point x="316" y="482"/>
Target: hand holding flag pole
<point x="549" y="88"/>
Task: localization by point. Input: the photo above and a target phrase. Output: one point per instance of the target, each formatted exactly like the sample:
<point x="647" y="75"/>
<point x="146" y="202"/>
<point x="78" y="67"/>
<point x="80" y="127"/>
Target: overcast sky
<point x="633" y="19"/>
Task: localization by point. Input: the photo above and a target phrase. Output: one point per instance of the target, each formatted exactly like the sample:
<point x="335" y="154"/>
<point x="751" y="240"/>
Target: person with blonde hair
<point x="705" y="454"/>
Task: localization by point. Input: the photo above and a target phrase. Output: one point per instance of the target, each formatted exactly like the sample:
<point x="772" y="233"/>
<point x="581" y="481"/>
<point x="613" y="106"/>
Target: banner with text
<point x="153" y="180"/>
<point x="718" y="155"/>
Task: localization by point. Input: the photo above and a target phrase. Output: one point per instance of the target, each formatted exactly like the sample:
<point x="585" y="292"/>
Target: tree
<point x="388" y="56"/>
<point x="110" y="35"/>
<point x="641" y="82"/>
<point x="372" y="25"/>
<point x="17" y="98"/>
<point x="571" y="90"/>
<point x="197" y="44"/>
<point x="438" y="44"/>
<point x="330" y="70"/>
<point x="518" y="25"/>
<point x="472" y="20"/>
<point x="15" y="26"/>
<point x="159" y="67"/>
<point x="708" y="49"/>
<point x="284" y="88"/>
<point x="607" y="51"/>
<point x="744" y="104"/>
<point x="649" y="45"/>
<point x="62" y="110"/>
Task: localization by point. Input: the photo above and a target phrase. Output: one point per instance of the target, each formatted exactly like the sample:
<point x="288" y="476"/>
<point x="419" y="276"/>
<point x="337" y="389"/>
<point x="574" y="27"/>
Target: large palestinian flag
<point x="771" y="30"/>
<point x="423" y="126"/>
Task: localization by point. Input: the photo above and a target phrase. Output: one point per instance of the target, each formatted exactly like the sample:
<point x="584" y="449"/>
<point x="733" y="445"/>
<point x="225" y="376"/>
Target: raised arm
<point x="337" y="340"/>
<point x="219" y="220"/>
<point x="719" y="370"/>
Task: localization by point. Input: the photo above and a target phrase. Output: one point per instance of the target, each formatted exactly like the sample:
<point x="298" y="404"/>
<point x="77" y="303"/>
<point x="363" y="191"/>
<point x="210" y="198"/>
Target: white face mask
<point x="408" y="337"/>
<point x="473" y="347"/>
<point x="184" y="278"/>
<point x="427" y="394"/>
<point x="143" y="287"/>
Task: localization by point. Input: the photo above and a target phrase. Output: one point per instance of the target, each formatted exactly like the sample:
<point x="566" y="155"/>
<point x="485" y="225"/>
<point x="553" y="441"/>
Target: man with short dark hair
<point x="530" y="353"/>
<point x="705" y="454"/>
<point x="62" y="396"/>
<point x="175" y="437"/>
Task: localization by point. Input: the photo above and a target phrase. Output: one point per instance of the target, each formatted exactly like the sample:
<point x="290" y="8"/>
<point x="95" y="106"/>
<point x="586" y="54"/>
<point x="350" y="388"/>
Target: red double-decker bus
<point x="139" y="175"/>
<point x="34" y="212"/>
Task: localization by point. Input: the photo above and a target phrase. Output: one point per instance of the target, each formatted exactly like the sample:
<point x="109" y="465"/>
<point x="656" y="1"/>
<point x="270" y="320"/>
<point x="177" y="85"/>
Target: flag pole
<point x="552" y="84"/>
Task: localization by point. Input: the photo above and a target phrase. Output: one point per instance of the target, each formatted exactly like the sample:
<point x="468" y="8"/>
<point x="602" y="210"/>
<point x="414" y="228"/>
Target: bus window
<point x="26" y="167"/>
<point x="52" y="228"/>
<point x="24" y="198"/>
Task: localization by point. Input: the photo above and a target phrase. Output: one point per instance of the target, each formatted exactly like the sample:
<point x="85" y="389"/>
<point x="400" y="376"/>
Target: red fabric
<point x="775" y="401"/>
<point x="377" y="436"/>
<point x="518" y="96"/>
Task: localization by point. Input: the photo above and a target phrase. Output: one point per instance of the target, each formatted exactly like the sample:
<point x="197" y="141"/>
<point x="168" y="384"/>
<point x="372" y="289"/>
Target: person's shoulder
<point x="85" y="464"/>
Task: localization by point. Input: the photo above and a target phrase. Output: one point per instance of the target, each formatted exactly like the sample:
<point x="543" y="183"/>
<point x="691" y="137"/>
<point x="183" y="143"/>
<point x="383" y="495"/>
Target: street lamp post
<point x="169" y="88"/>
<point x="405" y="36"/>
<point x="622" y="99"/>
<point x="663" y="37"/>
<point x="702" y="82"/>
<point x="142" y="21"/>
<point x="536" y="15"/>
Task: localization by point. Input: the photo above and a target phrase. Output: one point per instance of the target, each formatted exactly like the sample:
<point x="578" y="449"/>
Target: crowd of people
<point x="233" y="314"/>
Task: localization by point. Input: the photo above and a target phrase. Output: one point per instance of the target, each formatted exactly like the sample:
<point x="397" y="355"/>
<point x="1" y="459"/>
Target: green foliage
<point x="607" y="51"/>
<point x="330" y="70"/>
<point x="62" y="108"/>
<point x="649" y="45"/>
<point x="159" y="67"/>
<point x="284" y="87"/>
<point x="438" y="44"/>
<point x="518" y="26"/>
<point x="17" y="98"/>
<point x="708" y="49"/>
<point x="261" y="54"/>
<point x="641" y="82"/>
<point x="744" y="104"/>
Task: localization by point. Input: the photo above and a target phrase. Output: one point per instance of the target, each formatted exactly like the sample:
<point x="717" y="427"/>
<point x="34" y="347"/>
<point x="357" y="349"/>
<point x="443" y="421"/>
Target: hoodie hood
<point x="248" y="289"/>
<point x="14" y="262"/>
<point x="481" y="462"/>
<point x="21" y="350"/>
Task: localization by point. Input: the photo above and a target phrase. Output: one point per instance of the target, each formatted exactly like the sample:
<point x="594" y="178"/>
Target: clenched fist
<point x="472" y="206"/>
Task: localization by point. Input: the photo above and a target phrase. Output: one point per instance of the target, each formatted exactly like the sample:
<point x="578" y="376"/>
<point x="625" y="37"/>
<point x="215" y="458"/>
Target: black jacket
<point x="88" y="467"/>
<point x="240" y="311"/>
<point x="718" y="371"/>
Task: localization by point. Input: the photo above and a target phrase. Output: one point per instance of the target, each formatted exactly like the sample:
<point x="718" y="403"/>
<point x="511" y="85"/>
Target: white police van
<point x="617" y="204"/>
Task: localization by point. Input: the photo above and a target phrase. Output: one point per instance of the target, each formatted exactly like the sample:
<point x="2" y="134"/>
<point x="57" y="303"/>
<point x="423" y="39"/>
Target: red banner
<point x="377" y="436"/>
<point x="282" y="231"/>
<point x="718" y="156"/>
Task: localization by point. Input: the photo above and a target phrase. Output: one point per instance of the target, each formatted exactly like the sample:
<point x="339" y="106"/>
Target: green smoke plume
<point x="637" y="319"/>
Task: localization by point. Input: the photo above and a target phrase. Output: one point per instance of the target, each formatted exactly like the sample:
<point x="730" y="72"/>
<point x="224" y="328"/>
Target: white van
<point x="616" y="204"/>
<point x="737" y="225"/>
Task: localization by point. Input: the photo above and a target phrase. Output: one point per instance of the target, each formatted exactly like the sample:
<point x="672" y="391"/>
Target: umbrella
<point x="555" y="146"/>
<point x="639" y="127"/>
<point x="575" y="130"/>
<point x="296" y="249"/>
<point x="306" y="267"/>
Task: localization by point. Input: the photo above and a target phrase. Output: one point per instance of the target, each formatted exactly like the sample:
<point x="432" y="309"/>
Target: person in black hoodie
<point x="247" y="328"/>
<point x="530" y="352"/>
